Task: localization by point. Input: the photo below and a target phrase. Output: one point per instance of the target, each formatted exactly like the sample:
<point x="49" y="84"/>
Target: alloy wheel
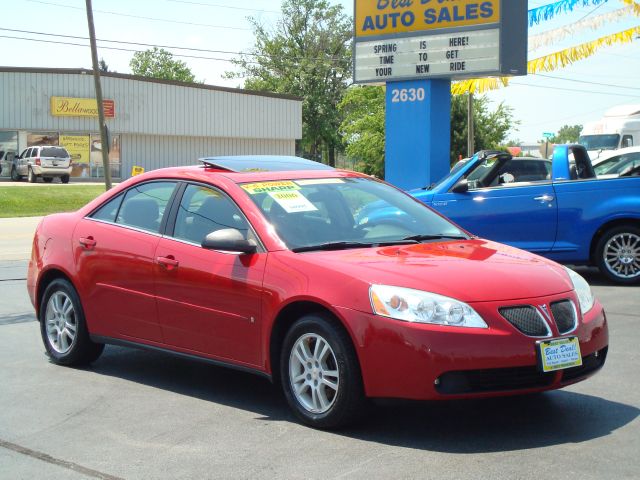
<point x="622" y="255"/>
<point x="61" y="323"/>
<point x="313" y="373"/>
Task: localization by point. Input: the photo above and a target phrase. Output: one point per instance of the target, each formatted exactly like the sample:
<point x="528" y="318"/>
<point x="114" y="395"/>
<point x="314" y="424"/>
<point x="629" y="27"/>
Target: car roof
<point x="620" y="151"/>
<point x="252" y="168"/>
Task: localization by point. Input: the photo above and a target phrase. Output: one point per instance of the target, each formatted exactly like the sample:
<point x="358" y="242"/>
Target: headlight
<point x="583" y="290"/>
<point x="422" y="307"/>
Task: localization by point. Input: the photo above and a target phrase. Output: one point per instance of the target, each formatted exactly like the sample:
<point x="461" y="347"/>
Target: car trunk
<point x="54" y="157"/>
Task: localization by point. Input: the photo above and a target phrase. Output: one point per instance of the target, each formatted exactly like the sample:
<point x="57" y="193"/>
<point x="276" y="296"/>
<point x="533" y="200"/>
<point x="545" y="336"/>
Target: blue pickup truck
<point x="557" y="209"/>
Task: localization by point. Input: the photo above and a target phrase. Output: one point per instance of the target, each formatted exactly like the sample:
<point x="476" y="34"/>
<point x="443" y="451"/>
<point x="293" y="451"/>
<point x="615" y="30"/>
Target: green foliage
<point x="102" y="65"/>
<point x="567" y="134"/>
<point x="363" y="127"/>
<point x="490" y="127"/>
<point x="159" y="63"/>
<point x="306" y="54"/>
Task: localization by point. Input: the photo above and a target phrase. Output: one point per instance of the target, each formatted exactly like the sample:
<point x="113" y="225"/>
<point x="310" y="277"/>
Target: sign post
<point x="416" y="47"/>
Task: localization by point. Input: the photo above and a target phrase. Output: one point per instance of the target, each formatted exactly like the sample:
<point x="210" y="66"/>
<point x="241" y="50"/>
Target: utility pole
<point x="96" y="77"/>
<point x="470" y="126"/>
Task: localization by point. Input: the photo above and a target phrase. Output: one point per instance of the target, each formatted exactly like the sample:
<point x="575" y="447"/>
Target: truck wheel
<point x="14" y="175"/>
<point x="47" y="179"/>
<point x="64" y="179"/>
<point x="320" y="373"/>
<point x="63" y="327"/>
<point x="31" y="177"/>
<point x="618" y="254"/>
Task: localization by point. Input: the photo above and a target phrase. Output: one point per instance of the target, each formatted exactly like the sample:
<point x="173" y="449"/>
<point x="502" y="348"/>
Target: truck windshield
<point x="600" y="142"/>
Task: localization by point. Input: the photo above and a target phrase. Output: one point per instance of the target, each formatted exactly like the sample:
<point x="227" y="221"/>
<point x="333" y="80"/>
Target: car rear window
<point x="56" y="152"/>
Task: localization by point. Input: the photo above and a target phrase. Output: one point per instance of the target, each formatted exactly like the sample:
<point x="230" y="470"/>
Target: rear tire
<point x="31" y="177"/>
<point x="64" y="179"/>
<point x="320" y="374"/>
<point x="63" y="326"/>
<point x="14" y="175"/>
<point x="618" y="254"/>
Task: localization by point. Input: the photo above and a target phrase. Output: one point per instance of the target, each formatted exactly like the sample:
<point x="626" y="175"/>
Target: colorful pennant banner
<point x="547" y="12"/>
<point x="549" y="63"/>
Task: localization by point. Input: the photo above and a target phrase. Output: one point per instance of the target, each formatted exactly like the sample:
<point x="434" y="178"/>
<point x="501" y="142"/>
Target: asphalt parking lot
<point x="143" y="415"/>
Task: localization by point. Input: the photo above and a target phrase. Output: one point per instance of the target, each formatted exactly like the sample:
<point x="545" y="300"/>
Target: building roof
<point x="138" y="78"/>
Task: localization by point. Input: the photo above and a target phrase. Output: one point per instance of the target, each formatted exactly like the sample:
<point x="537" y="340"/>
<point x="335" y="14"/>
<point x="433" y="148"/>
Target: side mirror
<point x="462" y="186"/>
<point x="229" y="240"/>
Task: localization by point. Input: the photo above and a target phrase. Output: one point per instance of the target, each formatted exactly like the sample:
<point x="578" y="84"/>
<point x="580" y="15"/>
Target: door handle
<point x="87" y="242"/>
<point x="545" y="198"/>
<point x="169" y="262"/>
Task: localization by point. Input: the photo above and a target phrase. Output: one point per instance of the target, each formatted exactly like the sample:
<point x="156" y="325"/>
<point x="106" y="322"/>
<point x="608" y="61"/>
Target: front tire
<point x="31" y="177"/>
<point x="618" y="254"/>
<point x="320" y="373"/>
<point x="63" y="327"/>
<point x="64" y="179"/>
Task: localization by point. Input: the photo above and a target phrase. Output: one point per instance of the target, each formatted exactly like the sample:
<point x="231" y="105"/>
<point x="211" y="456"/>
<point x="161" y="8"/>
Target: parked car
<point x="257" y="263"/>
<point x="569" y="216"/>
<point x="619" y="163"/>
<point x="45" y="161"/>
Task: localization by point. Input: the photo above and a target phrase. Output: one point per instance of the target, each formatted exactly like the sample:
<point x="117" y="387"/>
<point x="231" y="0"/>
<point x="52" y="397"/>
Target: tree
<point x="567" y="134"/>
<point x="306" y="54"/>
<point x="159" y="63"/>
<point x="102" y="65"/>
<point x="491" y="127"/>
<point x="363" y="127"/>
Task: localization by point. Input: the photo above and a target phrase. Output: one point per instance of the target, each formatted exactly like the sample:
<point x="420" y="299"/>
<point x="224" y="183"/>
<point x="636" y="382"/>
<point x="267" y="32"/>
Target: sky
<point x="221" y="30"/>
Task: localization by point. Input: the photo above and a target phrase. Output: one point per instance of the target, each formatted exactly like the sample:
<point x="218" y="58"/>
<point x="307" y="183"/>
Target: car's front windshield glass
<point x="600" y="142"/>
<point x="352" y="211"/>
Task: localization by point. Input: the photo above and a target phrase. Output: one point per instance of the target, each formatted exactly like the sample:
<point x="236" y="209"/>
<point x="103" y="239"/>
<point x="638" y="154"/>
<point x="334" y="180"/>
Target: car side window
<point x="108" y="211"/>
<point x="143" y="205"/>
<point x="492" y="173"/>
<point x="204" y="210"/>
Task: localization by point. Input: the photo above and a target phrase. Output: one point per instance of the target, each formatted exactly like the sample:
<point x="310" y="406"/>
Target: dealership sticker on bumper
<point x="559" y="354"/>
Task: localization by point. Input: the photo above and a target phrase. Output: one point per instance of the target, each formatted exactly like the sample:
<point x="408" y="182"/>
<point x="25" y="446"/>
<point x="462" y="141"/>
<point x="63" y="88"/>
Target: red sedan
<point x="259" y="263"/>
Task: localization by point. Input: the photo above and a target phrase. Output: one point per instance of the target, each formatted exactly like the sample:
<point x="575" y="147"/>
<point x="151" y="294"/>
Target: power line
<point x="207" y="50"/>
<point x="222" y="6"/>
<point x="119" y="14"/>
<point x="587" y="82"/>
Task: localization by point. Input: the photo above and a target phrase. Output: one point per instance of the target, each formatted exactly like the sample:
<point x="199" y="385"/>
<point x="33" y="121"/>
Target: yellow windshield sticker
<point x="293" y="201"/>
<point x="319" y="181"/>
<point x="267" y="187"/>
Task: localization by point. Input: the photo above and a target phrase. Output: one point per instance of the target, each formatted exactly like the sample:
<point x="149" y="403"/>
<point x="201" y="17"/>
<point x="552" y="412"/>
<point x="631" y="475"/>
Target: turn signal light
<point x="37" y="160"/>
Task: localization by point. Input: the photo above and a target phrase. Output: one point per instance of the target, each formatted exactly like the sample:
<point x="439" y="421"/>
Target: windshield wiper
<point x="347" y="245"/>
<point x="424" y="238"/>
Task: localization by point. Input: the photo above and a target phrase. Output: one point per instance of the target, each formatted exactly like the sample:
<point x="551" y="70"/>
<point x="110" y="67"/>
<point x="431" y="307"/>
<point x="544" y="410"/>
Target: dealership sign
<point x="454" y="39"/>
<point x="80" y="107"/>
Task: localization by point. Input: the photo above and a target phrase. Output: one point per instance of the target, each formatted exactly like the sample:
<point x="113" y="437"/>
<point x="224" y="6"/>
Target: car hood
<point x="469" y="270"/>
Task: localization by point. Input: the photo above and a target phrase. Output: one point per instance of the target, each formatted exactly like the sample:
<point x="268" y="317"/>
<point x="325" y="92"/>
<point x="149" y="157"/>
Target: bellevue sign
<point x="417" y="47"/>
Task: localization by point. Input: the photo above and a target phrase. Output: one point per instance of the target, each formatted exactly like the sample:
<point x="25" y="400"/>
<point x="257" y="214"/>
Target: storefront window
<point x="36" y="139"/>
<point x="8" y="148"/>
<point x="95" y="164"/>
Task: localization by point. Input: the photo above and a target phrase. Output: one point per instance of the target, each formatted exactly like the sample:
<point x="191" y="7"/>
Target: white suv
<point x="46" y="161"/>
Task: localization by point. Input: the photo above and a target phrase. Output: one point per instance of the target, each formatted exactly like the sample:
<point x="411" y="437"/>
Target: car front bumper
<point x="431" y="362"/>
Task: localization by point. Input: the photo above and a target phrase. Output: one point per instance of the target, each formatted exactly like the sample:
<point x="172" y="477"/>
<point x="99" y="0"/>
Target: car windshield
<point x="55" y="152"/>
<point x="600" y="142"/>
<point x="328" y="213"/>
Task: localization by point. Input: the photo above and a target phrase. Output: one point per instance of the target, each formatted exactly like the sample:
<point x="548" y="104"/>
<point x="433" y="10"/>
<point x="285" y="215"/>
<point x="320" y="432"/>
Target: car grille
<point x="526" y="319"/>
<point x="565" y="315"/>
<point x="590" y="364"/>
<point x="492" y="380"/>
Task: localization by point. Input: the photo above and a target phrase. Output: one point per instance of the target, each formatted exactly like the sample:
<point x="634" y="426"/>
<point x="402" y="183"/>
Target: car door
<point x="209" y="301"/>
<point x="22" y="163"/>
<point x="510" y="201"/>
<point x="114" y="252"/>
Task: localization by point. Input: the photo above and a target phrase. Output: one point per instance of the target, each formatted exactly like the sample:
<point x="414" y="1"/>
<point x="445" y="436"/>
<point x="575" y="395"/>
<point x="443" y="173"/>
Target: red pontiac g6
<point x="263" y="264"/>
